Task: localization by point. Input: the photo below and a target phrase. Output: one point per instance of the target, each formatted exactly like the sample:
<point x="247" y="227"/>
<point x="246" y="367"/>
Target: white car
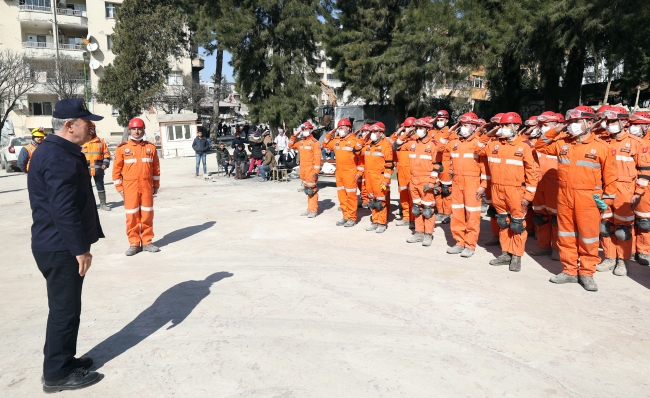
<point x="9" y="154"/>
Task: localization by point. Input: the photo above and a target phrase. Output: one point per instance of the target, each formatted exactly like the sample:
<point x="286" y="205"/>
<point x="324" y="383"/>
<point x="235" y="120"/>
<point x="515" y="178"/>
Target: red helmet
<point x="615" y="113"/>
<point x="422" y="123"/>
<point x="366" y="127"/>
<point x="469" y="117"/>
<point x="307" y="125"/>
<point x="344" y="122"/>
<point x="428" y="119"/>
<point x="496" y="118"/>
<point x="136" y="122"/>
<point x="409" y="122"/>
<point x="510" y="117"/>
<point x="442" y="113"/>
<point x="580" y="112"/>
<point x="560" y="118"/>
<point x="532" y="121"/>
<point x="640" y="118"/>
<point x="547" y="116"/>
<point x="379" y="126"/>
<point x="602" y="109"/>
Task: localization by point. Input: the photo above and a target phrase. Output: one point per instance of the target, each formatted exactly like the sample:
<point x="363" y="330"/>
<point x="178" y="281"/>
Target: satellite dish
<point x="92" y="46"/>
<point x="94" y="64"/>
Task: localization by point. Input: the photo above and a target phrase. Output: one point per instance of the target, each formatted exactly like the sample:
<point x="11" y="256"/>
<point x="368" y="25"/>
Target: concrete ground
<point x="248" y="299"/>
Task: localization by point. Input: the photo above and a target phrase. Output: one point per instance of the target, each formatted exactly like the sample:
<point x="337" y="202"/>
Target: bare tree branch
<point x="15" y="81"/>
<point x="176" y="98"/>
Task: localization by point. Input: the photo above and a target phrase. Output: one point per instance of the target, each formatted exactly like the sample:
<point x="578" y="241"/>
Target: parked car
<point x="9" y="154"/>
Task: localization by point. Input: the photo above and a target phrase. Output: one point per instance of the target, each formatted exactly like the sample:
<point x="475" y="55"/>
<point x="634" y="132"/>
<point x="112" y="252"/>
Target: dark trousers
<point x="99" y="180"/>
<point x="61" y="272"/>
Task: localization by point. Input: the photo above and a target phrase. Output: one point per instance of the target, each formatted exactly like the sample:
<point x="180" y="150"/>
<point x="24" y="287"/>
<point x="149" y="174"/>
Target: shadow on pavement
<point x="175" y="304"/>
<point x="324" y="205"/>
<point x="13" y="190"/>
<point x="183" y="233"/>
<point x="639" y="273"/>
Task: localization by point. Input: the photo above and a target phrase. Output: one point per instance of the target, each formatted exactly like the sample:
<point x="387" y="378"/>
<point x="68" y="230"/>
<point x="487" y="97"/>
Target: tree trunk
<point x="573" y="77"/>
<point x="551" y="74"/>
<point x="609" y="84"/>
<point x="216" y="95"/>
<point x="636" y="102"/>
<point x="512" y="82"/>
<point x="125" y="134"/>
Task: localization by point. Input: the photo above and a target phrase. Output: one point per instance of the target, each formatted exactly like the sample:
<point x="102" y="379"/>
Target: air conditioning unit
<point x="18" y="106"/>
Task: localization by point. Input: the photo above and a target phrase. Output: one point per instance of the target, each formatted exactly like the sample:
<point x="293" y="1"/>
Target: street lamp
<point x="86" y="59"/>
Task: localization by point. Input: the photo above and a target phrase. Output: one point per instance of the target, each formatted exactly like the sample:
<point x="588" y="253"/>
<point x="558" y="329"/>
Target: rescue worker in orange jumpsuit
<point x="136" y="176"/>
<point x="467" y="195"/>
<point x="99" y="159"/>
<point x="26" y="152"/>
<point x="491" y="211"/>
<point x="514" y="182"/>
<point x="617" y="224"/>
<point x="600" y="129"/>
<point x="441" y="134"/>
<point x="530" y="128"/>
<point x="347" y="149"/>
<point x="404" y="171"/>
<point x="424" y="179"/>
<point x="586" y="177"/>
<point x="309" y="151"/>
<point x="363" y="136"/>
<point x="639" y="123"/>
<point x="545" y="200"/>
<point x="377" y="167"/>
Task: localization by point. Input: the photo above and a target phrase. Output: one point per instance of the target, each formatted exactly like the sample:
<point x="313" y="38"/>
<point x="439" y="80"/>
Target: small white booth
<point x="177" y="132"/>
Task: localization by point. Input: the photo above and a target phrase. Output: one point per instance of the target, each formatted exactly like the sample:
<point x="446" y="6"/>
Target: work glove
<point x="437" y="189"/>
<point x="599" y="202"/>
<point x="428" y="187"/>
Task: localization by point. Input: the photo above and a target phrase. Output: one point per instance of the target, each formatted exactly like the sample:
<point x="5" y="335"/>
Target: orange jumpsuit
<point x="642" y="211"/>
<point x="97" y="154"/>
<point x="467" y="171"/>
<point x="514" y="177"/>
<point x="310" y="159"/>
<point x="584" y="169"/>
<point x="630" y="156"/>
<point x="346" y="152"/>
<point x="403" y="178"/>
<point x="442" y="137"/>
<point x="494" y="227"/>
<point x="545" y="201"/>
<point x="377" y="160"/>
<point x="136" y="172"/>
<point x="361" y="185"/>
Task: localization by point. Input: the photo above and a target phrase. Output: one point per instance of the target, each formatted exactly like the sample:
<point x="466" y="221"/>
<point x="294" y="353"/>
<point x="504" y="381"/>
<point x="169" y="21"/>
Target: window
<point x="36" y="3"/>
<point x="109" y="42"/>
<point x="175" y="78"/>
<point x="178" y="132"/>
<point x="110" y="9"/>
<point x="114" y="111"/>
<point x="478" y="82"/>
<point x="41" y="108"/>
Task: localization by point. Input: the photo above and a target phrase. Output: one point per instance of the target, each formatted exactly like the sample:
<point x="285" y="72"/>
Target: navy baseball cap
<point x="74" y="108"/>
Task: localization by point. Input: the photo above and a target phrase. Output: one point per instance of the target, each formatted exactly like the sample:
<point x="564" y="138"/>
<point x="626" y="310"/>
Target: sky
<point x="211" y="66"/>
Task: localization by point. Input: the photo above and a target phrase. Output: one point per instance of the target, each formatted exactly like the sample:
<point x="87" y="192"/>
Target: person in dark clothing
<point x="65" y="225"/>
<point x="201" y="146"/>
<point x="255" y="146"/>
<point x="240" y="157"/>
<point x="223" y="158"/>
<point x="238" y="140"/>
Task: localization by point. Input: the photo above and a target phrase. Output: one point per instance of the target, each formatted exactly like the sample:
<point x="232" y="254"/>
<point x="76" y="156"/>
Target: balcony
<point x="73" y="47"/>
<point x="198" y="62"/>
<point x="46" y="50"/>
<point x="65" y="16"/>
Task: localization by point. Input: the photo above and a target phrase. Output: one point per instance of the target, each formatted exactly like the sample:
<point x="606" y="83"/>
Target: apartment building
<point x="83" y="30"/>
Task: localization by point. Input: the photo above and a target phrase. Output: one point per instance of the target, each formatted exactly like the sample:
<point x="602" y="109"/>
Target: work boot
<point x="564" y="278"/>
<point x="455" y="250"/>
<point x="301" y="189"/>
<point x="643" y="259"/>
<point x="416" y="238"/>
<point x="305" y="213"/>
<point x="539" y="252"/>
<point x="373" y="226"/>
<point x="503" y="259"/>
<point x="588" y="283"/>
<point x="555" y="255"/>
<point x="621" y="268"/>
<point x="133" y="250"/>
<point x="607" y="264"/>
<point x="515" y="263"/>
<point x="412" y="225"/>
<point x="401" y="223"/>
<point x="439" y="217"/>
<point x="427" y="240"/>
<point x="349" y="223"/>
<point x="151" y="248"/>
<point x="78" y="379"/>
<point x="467" y="252"/>
<point x="493" y="241"/>
<point x="446" y="219"/>
<point x="341" y="222"/>
<point x="102" y="201"/>
<point x="381" y="228"/>
<point x="312" y="214"/>
<point x="197" y="174"/>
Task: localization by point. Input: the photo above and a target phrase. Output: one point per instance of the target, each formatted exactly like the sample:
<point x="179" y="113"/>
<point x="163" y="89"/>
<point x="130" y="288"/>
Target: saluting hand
<point x="524" y="205"/>
<point x="84" y="261"/>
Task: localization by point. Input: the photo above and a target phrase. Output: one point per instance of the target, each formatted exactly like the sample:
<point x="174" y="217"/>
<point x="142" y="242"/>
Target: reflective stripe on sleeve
<point x="403" y="188"/>
<point x="351" y="190"/>
<point x="427" y="203"/>
<point x="531" y="189"/>
<point x="340" y="188"/>
<point x="360" y="168"/>
<point x="417" y="201"/>
<point x="642" y="182"/>
<point x="536" y="208"/>
<point x="156" y="178"/>
<point x="434" y="174"/>
<point x="387" y="175"/>
<point x="606" y="215"/>
<point x="118" y="182"/>
<point x="485" y="177"/>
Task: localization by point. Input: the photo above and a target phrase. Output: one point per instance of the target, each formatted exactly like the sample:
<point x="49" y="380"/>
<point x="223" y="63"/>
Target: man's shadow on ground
<point x="183" y="233"/>
<point x="174" y="304"/>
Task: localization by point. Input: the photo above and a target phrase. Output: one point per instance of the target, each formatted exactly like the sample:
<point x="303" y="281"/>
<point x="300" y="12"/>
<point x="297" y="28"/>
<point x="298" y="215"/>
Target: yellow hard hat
<point x="38" y="132"/>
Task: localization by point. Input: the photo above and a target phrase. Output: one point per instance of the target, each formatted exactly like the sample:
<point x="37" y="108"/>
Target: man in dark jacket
<point x="201" y="146"/>
<point x="255" y="146"/>
<point x="223" y="158"/>
<point x="238" y="140"/>
<point x="65" y="225"/>
<point x="240" y="157"/>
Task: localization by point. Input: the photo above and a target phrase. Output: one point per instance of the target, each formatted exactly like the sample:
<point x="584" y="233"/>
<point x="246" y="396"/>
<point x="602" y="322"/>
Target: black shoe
<point x="83" y="362"/>
<point x="78" y="379"/>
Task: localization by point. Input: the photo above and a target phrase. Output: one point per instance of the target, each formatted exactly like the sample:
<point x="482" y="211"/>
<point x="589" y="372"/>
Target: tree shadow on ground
<point x="173" y="305"/>
<point x="183" y="233"/>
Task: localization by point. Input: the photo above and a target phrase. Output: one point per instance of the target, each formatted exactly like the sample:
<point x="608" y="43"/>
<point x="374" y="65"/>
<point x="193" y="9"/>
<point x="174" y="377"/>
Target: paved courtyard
<point x="247" y="299"/>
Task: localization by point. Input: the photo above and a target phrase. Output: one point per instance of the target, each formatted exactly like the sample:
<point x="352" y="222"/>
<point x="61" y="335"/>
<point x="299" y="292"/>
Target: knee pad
<point x="643" y="224"/>
<point x="379" y="205"/>
<point x="416" y="210"/>
<point x="540" y="219"/>
<point x="502" y="220"/>
<point x="491" y="212"/>
<point x="517" y="225"/>
<point x="427" y="212"/>
<point x="554" y="220"/>
<point x="623" y="232"/>
<point x="310" y="191"/>
<point x="606" y="228"/>
<point x="445" y="191"/>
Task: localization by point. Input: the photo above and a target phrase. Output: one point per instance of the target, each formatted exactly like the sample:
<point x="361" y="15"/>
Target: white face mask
<point x="373" y="137"/>
<point x="614" y="128"/>
<point x="603" y="124"/>
<point x="421" y="133"/>
<point x="441" y="124"/>
<point x="306" y="133"/>
<point x="575" y="129"/>
<point x="499" y="132"/>
<point x="545" y="128"/>
<point x="136" y="139"/>
<point x="342" y="132"/>
<point x="465" y="131"/>
<point x="636" y="130"/>
<point x="535" y="133"/>
<point x="506" y="132"/>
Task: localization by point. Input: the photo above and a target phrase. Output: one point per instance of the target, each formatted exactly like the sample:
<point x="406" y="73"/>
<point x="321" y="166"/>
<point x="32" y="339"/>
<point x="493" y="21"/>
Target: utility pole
<point x="55" y="30"/>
